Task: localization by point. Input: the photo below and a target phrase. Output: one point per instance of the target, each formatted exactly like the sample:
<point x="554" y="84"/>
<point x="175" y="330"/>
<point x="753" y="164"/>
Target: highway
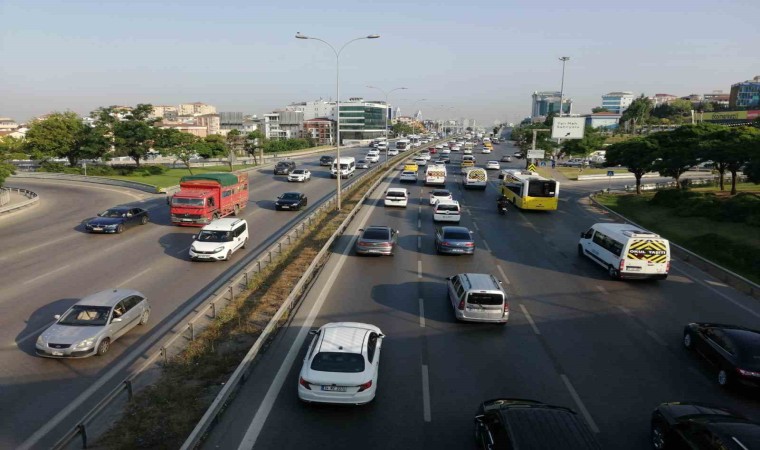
<point x="608" y="349"/>
<point x="49" y="262"/>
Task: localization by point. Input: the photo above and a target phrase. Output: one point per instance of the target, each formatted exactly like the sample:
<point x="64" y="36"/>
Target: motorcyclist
<point x="502" y="203"/>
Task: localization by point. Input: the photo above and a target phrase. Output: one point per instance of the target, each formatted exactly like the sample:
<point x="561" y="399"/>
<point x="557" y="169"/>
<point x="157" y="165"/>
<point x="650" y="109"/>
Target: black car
<point x="694" y="425"/>
<point x="733" y="350"/>
<point x="518" y="423"/>
<point x="454" y="240"/>
<point x="284" y="167"/>
<point x="291" y="201"/>
<point x="116" y="220"/>
<point x="326" y="160"/>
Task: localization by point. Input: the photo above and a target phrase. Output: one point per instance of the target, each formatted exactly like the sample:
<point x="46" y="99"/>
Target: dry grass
<point x="163" y="415"/>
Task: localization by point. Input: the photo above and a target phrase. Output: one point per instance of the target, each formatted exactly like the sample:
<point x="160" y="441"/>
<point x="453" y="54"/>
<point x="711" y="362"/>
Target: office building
<point x="603" y="120"/>
<point x="617" y="102"/>
<point x="745" y="94"/>
<point x="547" y="102"/>
<point x="361" y="120"/>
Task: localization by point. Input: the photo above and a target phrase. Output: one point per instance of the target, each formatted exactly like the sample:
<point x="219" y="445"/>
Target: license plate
<point x="57" y="353"/>
<point x="187" y="220"/>
<point x="457" y="250"/>
<point x="97" y="229"/>
<point x="203" y="256"/>
<point x="334" y="388"/>
<point x="285" y="207"/>
<point x="633" y="268"/>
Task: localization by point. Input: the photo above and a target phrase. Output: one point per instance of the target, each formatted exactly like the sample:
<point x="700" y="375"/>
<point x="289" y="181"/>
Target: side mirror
<point x="583" y="234"/>
<point x="116" y="319"/>
<point x="361" y="230"/>
<point x="381" y="335"/>
<point x="57" y="316"/>
<point x="479" y="418"/>
<point x="312" y="332"/>
<point x="449" y="278"/>
<point x="279" y="197"/>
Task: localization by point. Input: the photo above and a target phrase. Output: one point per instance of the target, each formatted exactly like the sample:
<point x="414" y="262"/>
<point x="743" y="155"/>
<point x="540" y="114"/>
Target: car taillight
<point x="506" y="308"/>
<point x="621" y="266"/>
<point x="747" y="373"/>
<point x="304" y="383"/>
<point x="469" y="244"/>
<point x="667" y="267"/>
<point x="365" y="386"/>
<point x="461" y="305"/>
<point x="445" y="244"/>
<point x="361" y="243"/>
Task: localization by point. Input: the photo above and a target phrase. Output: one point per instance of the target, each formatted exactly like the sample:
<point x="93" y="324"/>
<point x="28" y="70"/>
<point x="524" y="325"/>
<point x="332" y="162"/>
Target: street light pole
<point x="388" y="146"/>
<point x="564" y="59"/>
<point x="337" y="99"/>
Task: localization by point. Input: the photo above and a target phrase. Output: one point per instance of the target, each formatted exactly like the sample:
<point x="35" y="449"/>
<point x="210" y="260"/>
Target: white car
<point x="341" y="365"/>
<point x="485" y="150"/>
<point x="396" y="197"/>
<point x="493" y="165"/>
<point x="439" y="146"/>
<point x="437" y="195"/>
<point x="372" y="157"/>
<point x="218" y="240"/>
<point x="467" y="151"/>
<point x="456" y="148"/>
<point x="420" y="161"/>
<point x="392" y="152"/>
<point x="424" y="154"/>
<point x="301" y="175"/>
<point x="446" y="151"/>
<point x="382" y="146"/>
<point x="408" y="175"/>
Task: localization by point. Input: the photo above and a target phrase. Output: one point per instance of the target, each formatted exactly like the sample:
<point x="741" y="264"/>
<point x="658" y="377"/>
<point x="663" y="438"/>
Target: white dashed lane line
<point x="503" y="275"/>
<point x="422" y="313"/>
<point x="419" y="269"/>
<point x="530" y="319"/>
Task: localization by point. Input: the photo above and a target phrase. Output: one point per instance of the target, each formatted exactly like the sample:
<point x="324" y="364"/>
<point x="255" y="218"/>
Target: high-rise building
<point x="361" y="120"/>
<point x="547" y="102"/>
<point x="617" y="102"/>
<point x="745" y="94"/>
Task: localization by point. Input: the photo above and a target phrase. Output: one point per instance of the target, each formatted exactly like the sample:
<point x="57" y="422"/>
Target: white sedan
<point x="485" y="150"/>
<point x="493" y="165"/>
<point x="372" y="157"/>
<point x="392" y="152"/>
<point x="439" y="194"/>
<point x="446" y="151"/>
<point x="420" y="161"/>
<point x="341" y="364"/>
<point x="301" y="175"/>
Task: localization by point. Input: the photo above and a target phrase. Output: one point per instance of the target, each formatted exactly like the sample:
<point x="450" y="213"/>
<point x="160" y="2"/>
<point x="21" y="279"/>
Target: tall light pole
<point x="337" y="97"/>
<point x="388" y="145"/>
<point x="564" y="59"/>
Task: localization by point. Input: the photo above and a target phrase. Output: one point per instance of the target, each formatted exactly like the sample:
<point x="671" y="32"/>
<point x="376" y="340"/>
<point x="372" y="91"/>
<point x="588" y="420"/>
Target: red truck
<point x="203" y="198"/>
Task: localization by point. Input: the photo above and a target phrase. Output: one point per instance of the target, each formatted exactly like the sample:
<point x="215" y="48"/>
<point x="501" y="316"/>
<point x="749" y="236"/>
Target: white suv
<point x="218" y="240"/>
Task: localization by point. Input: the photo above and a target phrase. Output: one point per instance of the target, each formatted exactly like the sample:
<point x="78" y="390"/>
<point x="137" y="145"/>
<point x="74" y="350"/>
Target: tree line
<point x="133" y="134"/>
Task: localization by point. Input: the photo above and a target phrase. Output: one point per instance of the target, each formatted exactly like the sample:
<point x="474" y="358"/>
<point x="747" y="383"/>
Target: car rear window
<point x="376" y="234"/>
<point x="458" y="235"/>
<point x="447" y="207"/>
<point x="483" y="298"/>
<point x="338" y="362"/>
<point x="441" y="193"/>
<point x="395" y="194"/>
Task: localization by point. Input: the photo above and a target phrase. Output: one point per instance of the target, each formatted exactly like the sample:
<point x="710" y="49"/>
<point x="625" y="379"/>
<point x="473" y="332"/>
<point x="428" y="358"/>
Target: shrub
<point x="100" y="170"/>
<point x="702" y="206"/>
<point x="726" y="251"/>
<point x="739" y="208"/>
<point x="672" y="197"/>
<point x="51" y="166"/>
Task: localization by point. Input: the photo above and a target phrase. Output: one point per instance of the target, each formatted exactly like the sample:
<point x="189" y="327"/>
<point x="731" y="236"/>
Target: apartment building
<point x="322" y="130"/>
<point x="189" y="109"/>
<point x="7" y="124"/>
<point x="167" y="112"/>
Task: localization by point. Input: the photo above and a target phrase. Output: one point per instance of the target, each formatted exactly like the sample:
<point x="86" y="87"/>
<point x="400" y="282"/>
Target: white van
<point x="447" y="211"/>
<point x="475" y="178"/>
<point x="219" y="239"/>
<point x="626" y="251"/>
<point x="478" y="297"/>
<point x="347" y="167"/>
<point x="435" y="175"/>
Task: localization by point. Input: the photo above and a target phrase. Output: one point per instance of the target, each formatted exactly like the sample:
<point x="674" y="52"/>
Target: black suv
<point x="326" y="160"/>
<point x="284" y="167"/>
<point x="516" y="423"/>
<point x="696" y="425"/>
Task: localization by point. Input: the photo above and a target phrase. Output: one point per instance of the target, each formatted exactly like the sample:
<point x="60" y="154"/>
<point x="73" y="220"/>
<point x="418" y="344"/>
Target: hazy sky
<point x="478" y="58"/>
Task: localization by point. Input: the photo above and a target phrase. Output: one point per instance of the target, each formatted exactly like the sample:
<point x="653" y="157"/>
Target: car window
<point x="213" y="236"/>
<point x="720" y="339"/>
<point x="375" y="233"/>
<point x="291" y="196"/>
<point x="457" y="235"/>
<point x="371" y="346"/>
<point x="132" y="301"/>
<point x="441" y="207"/>
<point x="83" y="315"/>
<point x="113" y="213"/>
<point x="481" y="298"/>
<point x="119" y="309"/>
<point x="338" y="362"/>
<point x="314" y="344"/>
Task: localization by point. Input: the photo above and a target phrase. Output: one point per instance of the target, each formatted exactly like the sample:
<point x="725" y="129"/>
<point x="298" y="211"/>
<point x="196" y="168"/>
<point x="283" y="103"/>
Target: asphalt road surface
<point x="49" y="262"/>
<point x="608" y="349"/>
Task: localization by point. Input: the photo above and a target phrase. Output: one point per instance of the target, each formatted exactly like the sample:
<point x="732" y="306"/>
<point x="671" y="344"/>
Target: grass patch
<point x="572" y="172"/>
<point x="163" y="415"/>
<point x="171" y="176"/>
<point x="735" y="246"/>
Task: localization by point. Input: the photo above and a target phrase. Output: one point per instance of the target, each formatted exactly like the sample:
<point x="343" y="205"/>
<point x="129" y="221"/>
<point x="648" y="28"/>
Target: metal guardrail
<point x="732" y="279"/>
<point x="690" y="181"/>
<point x="207" y="308"/>
<point x="86" y="179"/>
<point x="33" y="200"/>
<point x="5" y="196"/>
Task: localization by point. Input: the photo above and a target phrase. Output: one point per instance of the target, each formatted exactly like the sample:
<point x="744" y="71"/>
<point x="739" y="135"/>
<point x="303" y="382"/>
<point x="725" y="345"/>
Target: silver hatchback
<point x="93" y="323"/>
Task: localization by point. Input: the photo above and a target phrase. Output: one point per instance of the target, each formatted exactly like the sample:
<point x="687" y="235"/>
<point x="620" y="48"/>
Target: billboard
<point x="568" y="127"/>
<point x="728" y="115"/>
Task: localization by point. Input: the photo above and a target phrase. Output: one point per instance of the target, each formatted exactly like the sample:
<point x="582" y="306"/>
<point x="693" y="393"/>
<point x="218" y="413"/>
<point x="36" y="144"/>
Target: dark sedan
<point x="376" y="240"/>
<point x="454" y="240"/>
<point x="362" y="164"/>
<point x="326" y="160"/>
<point x="695" y="425"/>
<point x="116" y="220"/>
<point x="284" y="167"/>
<point x="291" y="201"/>
<point x="733" y="350"/>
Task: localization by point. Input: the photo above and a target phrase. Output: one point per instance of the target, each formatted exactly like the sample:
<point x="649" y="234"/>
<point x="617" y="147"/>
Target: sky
<point x="478" y="59"/>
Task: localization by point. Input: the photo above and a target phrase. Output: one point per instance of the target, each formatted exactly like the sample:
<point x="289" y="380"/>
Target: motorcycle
<point x="501" y="205"/>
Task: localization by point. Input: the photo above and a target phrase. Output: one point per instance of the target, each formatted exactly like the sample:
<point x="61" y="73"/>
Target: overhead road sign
<point x="568" y="127"/>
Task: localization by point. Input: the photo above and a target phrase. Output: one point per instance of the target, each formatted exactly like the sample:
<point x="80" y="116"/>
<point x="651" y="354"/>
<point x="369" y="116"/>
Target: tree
<point x="678" y="151"/>
<point x="741" y="146"/>
<point x="64" y="135"/>
<point x="134" y="135"/>
<point x="752" y="170"/>
<point x="711" y="147"/>
<point x="495" y="130"/>
<point x="549" y="119"/>
<point x="523" y="137"/>
<point x="215" y="146"/>
<point x="10" y="149"/>
<point x="180" y="145"/>
<point x="638" y="112"/>
<point x="599" y="109"/>
<point x="253" y="142"/>
<point x="637" y="154"/>
<point x="400" y="128"/>
<point x="592" y="141"/>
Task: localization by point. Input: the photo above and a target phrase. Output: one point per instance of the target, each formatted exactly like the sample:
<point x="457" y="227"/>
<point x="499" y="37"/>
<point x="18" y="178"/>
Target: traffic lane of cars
<point x="131" y="260"/>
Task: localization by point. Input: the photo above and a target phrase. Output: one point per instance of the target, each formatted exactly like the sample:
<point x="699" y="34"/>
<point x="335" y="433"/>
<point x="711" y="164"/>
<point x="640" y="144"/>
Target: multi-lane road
<point x="49" y="262"/>
<point x="608" y="349"/>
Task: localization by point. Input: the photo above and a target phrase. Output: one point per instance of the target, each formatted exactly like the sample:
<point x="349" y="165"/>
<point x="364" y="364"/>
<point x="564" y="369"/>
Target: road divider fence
<point x="8" y="207"/>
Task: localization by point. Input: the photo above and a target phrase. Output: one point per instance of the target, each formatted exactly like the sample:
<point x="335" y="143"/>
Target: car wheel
<point x="229" y="255"/>
<point x="103" y="347"/>
<point x="144" y="317"/>
<point x="613" y="273"/>
<point x="144" y="220"/>
<point x="658" y="436"/>
<point x="120" y="229"/>
<point x="580" y="250"/>
<point x="723" y="378"/>
<point x="236" y="211"/>
<point x="245" y="243"/>
<point x="687" y="342"/>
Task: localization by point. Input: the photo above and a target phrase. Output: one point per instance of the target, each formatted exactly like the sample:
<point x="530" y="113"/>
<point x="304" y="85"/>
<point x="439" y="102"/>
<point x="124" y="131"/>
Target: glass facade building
<point x="362" y="120"/>
<point x="617" y="102"/>
<point x="745" y="94"/>
<point x="545" y="103"/>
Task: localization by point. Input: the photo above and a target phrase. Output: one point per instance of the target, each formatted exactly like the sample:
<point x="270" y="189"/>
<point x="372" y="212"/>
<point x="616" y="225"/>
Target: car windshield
<point x="291" y="196"/>
<point x="83" y="315"/>
<point x="114" y="213"/>
<point x="338" y="362"/>
<point x="179" y="201"/>
<point x="482" y="298"/>
<point x="298" y="172"/>
<point x="214" y="236"/>
<point x="457" y="235"/>
<point x="375" y="234"/>
<point x="441" y="193"/>
<point x="282" y="164"/>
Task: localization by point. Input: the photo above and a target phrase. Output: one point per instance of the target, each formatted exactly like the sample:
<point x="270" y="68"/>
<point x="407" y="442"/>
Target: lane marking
<point x="715" y="283"/>
<point x="419" y="242"/>
<point x="625" y="310"/>
<point x="32" y="280"/>
<point x="475" y="225"/>
<point x="185" y="250"/>
<point x="485" y="244"/>
<point x="503" y="275"/>
<point x="422" y="313"/>
<point x="419" y="269"/>
<point x="657" y="338"/>
<point x="425" y="394"/>
<point x="579" y="403"/>
<point x="133" y="277"/>
<point x="419" y="223"/>
<point x="602" y="289"/>
<point x="736" y="303"/>
<point x="530" y="319"/>
<point x="31" y="249"/>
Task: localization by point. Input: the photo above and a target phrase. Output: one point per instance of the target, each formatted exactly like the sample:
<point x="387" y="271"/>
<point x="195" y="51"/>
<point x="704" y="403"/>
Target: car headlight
<point x="218" y="249"/>
<point x="40" y="340"/>
<point x="86" y="343"/>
